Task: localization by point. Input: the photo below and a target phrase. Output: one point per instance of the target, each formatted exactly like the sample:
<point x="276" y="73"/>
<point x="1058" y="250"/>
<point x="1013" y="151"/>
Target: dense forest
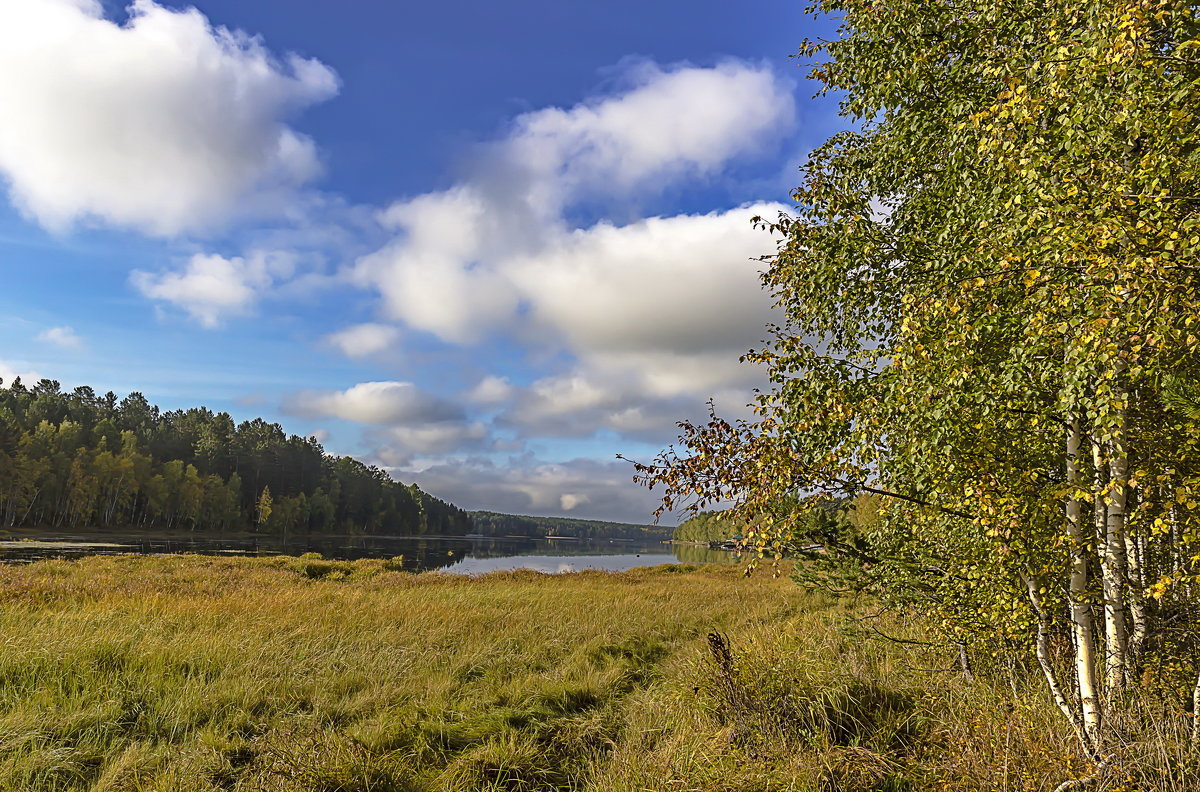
<point x="492" y="524"/>
<point x="82" y="460"/>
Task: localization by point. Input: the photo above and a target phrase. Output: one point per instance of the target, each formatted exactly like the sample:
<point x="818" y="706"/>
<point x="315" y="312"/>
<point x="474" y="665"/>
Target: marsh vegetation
<point x="193" y="673"/>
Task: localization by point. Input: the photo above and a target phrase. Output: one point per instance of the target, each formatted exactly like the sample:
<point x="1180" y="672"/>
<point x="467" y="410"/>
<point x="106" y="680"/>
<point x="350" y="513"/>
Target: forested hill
<point x="492" y="524"/>
<point x="73" y="460"/>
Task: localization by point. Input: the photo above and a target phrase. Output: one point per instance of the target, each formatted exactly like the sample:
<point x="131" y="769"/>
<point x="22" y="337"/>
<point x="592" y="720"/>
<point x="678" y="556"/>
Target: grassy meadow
<point x="196" y="673"/>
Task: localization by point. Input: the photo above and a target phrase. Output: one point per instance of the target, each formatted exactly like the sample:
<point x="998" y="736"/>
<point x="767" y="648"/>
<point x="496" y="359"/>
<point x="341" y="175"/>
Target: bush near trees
<point x="81" y="460"/>
<point x="829" y="517"/>
<point x="511" y="525"/>
<point x="707" y="526"/>
<point x="991" y="291"/>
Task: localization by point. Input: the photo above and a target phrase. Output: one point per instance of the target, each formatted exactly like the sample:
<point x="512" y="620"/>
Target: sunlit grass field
<point x="199" y="673"/>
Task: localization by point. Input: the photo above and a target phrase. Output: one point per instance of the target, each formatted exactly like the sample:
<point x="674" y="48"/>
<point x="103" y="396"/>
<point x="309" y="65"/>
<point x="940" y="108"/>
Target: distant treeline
<point x="708" y="526"/>
<point x="492" y="524"/>
<point x="82" y="460"/>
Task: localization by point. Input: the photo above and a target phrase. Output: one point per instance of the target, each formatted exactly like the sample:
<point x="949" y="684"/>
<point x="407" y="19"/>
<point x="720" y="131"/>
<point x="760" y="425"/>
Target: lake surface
<point x="457" y="555"/>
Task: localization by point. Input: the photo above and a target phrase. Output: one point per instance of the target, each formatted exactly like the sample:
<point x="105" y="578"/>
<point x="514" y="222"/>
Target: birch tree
<point x="987" y="285"/>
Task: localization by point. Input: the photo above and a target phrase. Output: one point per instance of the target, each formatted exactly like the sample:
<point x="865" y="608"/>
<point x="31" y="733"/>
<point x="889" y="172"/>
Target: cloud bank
<point x="584" y="488"/>
<point x="646" y="318"/>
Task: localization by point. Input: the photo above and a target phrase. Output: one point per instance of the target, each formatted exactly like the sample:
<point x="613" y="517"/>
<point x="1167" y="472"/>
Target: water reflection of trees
<point x="419" y="553"/>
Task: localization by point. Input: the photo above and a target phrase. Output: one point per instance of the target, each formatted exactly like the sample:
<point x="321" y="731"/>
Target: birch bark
<point x="1042" y="651"/>
<point x="1082" y="623"/>
<point x="1136" y="581"/>
<point x="1113" y="561"/>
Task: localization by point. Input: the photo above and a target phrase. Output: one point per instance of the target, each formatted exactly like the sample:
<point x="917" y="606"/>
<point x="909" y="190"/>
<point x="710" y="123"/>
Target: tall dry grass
<point x="194" y="673"/>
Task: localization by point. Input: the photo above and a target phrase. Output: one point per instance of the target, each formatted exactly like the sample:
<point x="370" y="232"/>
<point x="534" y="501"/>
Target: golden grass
<point x="195" y="673"/>
<point x="204" y="673"/>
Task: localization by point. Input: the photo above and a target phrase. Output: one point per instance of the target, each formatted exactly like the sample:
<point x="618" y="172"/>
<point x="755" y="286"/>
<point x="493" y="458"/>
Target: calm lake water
<point x="458" y="555"/>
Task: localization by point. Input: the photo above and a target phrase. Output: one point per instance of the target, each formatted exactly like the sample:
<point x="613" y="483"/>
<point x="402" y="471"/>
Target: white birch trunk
<point x="1113" y="566"/>
<point x="1042" y="650"/>
<point x="1099" y="505"/>
<point x="1082" y="623"/>
<point x="1137" y="600"/>
<point x="1196" y="712"/>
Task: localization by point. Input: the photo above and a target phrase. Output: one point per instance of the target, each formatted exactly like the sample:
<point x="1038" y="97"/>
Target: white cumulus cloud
<point x="364" y="340"/>
<point x="580" y="402"/>
<point x="10" y="371"/>
<point x="380" y="403"/>
<point x="402" y="419"/>
<point x="685" y="284"/>
<point x="432" y="276"/>
<point x="164" y="124"/>
<point x="472" y="259"/>
<point x="670" y="123"/>
<point x="569" y="500"/>
<point x="64" y="337"/>
<point x="212" y="288"/>
<point x="491" y="390"/>
<point x="441" y="437"/>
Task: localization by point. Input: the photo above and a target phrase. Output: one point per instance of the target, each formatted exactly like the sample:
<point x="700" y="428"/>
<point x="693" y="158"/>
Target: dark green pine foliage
<point x="76" y="460"/>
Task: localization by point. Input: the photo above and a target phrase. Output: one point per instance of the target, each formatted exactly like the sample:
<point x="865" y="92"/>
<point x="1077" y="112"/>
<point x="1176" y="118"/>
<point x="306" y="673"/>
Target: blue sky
<point x="486" y="246"/>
